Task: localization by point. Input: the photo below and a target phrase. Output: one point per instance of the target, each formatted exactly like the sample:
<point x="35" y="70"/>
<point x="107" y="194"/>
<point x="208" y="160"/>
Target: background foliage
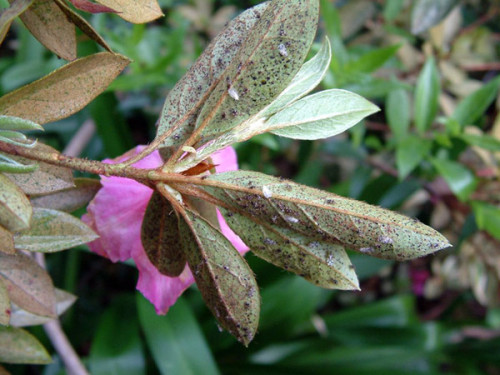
<point x="432" y="153"/>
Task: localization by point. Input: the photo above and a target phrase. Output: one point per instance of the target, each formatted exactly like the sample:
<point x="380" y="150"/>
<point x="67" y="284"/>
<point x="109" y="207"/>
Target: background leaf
<point x="410" y="152"/>
<point x="461" y="180"/>
<point x="426" y="96"/>
<point x="66" y="90"/>
<point x="29" y="285"/>
<point x="19" y="346"/>
<point x="176" y="340"/>
<point x="52" y="231"/>
<point x="397" y="112"/>
<point x="487" y="217"/>
<point x="427" y="13"/>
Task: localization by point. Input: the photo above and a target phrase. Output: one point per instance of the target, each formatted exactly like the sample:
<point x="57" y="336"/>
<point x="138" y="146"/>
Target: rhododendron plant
<point x="118" y="224"/>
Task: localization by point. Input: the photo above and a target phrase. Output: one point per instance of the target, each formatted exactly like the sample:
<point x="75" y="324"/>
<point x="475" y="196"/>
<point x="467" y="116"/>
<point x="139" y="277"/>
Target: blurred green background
<point x="431" y="153"/>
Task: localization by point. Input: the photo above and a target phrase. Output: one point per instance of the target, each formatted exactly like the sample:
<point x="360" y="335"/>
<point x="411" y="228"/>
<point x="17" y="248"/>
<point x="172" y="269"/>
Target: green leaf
<point x="70" y="199"/>
<point x="9" y="165"/>
<point x="64" y="91"/>
<point x="183" y="104"/>
<point x="321" y="263"/>
<point x="264" y="66"/>
<point x="322" y="216"/>
<point x="426" y="96"/>
<point x="4" y="305"/>
<point x="484" y="141"/>
<point x="19" y="346"/>
<point x="46" y="178"/>
<point x="7" y="16"/>
<point x="52" y="231"/>
<point x="427" y="13"/>
<point x="410" y="151"/>
<point x="116" y="348"/>
<point x="397" y="107"/>
<point x="6" y="241"/>
<point x="15" y="208"/>
<point x="225" y="280"/>
<point x="461" y="180"/>
<point x="392" y="9"/>
<point x="29" y="285"/>
<point x="321" y="115"/>
<point x="487" y="217"/>
<point x="176" y="340"/>
<point x="52" y="28"/>
<point x="475" y="104"/>
<point x="23" y="318"/>
<point x="371" y="61"/>
<point x="160" y="237"/>
<point x="307" y="78"/>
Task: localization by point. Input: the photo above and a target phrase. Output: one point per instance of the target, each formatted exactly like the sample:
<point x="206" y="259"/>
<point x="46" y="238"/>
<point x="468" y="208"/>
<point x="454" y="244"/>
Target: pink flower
<point x="116" y="214"/>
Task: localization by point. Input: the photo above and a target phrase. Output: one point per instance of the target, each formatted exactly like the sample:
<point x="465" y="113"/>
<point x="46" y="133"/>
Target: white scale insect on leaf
<point x="233" y="93"/>
<point x="292" y="219"/>
<point x="282" y="50"/>
<point x="267" y="192"/>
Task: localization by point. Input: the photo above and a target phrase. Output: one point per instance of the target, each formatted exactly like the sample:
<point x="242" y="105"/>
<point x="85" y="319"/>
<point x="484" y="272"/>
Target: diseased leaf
<point x="265" y="64"/>
<point x="160" y="237"/>
<point x="7" y="16"/>
<point x="184" y="101"/>
<point x="23" y="318"/>
<point x="323" y="264"/>
<point x="50" y="26"/>
<point x="17" y="123"/>
<point x="426" y="96"/>
<point x="70" y="199"/>
<point x="29" y="285"/>
<point x="475" y="104"/>
<point x="89" y="6"/>
<point x="427" y="13"/>
<point x="6" y="241"/>
<point x="82" y="24"/>
<point x="19" y="346"/>
<point x="461" y="180"/>
<point x="52" y="231"/>
<point x="15" y="208"/>
<point x="64" y="91"/>
<point x="5" y="311"/>
<point x="225" y="280"/>
<point x="321" y="115"/>
<point x="46" y="178"/>
<point x="322" y="216"/>
<point x="137" y="11"/>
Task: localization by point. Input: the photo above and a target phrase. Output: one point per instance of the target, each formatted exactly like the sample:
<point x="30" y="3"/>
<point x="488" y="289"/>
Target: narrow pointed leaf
<point x="263" y="67"/>
<point x="186" y="98"/>
<point x="46" y="178"/>
<point x="461" y="180"/>
<point x="225" y="280"/>
<point x="17" y="123"/>
<point x="5" y="311"/>
<point x="29" y="285"/>
<point x="8" y="165"/>
<point x="7" y="16"/>
<point x="50" y="26"/>
<point x="427" y="13"/>
<point x="137" y="11"/>
<point x="323" y="216"/>
<point x="15" y="208"/>
<point x="321" y="115"/>
<point x="82" y="24"/>
<point x="64" y="91"/>
<point x="23" y="318"/>
<point x="6" y="241"/>
<point x="398" y="112"/>
<point x="323" y="264"/>
<point x="160" y="237"/>
<point x="52" y="231"/>
<point x="71" y="199"/>
<point x="19" y="346"/>
<point x="426" y="96"/>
